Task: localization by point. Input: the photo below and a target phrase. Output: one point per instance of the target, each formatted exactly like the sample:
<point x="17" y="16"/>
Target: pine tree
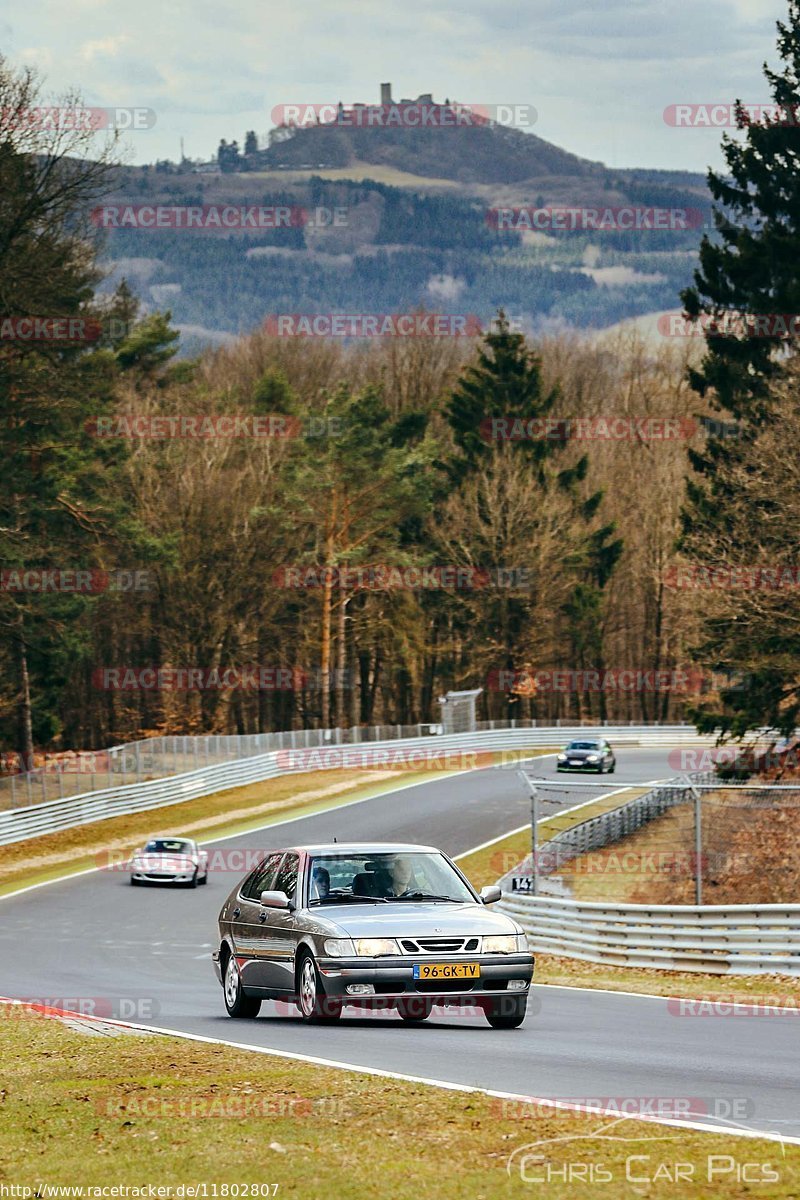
<point x="749" y="270"/>
<point x="500" y="394"/>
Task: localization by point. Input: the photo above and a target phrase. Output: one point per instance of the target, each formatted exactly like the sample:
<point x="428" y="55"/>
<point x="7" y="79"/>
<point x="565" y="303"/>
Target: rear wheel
<point x="415" y="1008"/>
<point x="237" y="1004"/>
<point x="204" y="879"/>
<point x="506" y="1012"/>
<point x="312" y="1002"/>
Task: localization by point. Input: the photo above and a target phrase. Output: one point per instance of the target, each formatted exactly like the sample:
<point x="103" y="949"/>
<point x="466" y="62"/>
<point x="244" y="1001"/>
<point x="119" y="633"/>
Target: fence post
<point x="698" y="840"/>
<point x="534" y="831"/>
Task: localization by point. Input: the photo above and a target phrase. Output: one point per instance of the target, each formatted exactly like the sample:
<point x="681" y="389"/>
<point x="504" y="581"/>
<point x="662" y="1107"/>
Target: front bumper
<point x="395" y="976"/>
<point x="162" y="876"/>
<point x="584" y="766"/>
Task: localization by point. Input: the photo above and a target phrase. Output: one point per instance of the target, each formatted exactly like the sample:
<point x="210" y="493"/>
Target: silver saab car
<point x="169" y="860"/>
<point x="370" y="925"/>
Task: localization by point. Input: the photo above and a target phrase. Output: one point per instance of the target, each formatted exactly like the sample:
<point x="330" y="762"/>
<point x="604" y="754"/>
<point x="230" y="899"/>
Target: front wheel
<point x="312" y="1002"/>
<point x="237" y="1004"/>
<point x="507" y="1012"/>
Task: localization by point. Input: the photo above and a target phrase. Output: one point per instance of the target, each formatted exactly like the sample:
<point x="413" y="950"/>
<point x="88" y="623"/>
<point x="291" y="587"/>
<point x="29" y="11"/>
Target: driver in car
<point x="402" y="877"/>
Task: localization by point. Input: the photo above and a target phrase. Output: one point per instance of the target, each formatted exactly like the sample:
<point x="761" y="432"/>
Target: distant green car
<point x="587" y="754"/>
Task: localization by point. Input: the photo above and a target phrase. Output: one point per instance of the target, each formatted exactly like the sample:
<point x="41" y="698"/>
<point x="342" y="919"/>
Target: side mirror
<point x="490" y="894"/>
<point x="274" y="900"/>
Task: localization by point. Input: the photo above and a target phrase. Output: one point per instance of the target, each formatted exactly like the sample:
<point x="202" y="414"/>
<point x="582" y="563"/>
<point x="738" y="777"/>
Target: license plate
<point x="447" y="971"/>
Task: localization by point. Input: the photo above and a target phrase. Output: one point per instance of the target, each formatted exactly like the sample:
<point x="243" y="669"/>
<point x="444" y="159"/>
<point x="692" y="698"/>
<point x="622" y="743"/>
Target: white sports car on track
<point x="169" y="860"/>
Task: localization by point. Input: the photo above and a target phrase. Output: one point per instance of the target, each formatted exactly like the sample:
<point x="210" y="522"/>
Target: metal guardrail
<point x="443" y="752"/>
<point x="714" y="939"/>
<point x="717" y="940"/>
<point x="176" y="754"/>
<point x="601" y="830"/>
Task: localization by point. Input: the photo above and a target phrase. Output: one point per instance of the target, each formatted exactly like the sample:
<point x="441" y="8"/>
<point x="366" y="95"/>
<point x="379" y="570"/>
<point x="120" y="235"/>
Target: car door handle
<point x="237" y="912"/>
<point x="262" y="916"/>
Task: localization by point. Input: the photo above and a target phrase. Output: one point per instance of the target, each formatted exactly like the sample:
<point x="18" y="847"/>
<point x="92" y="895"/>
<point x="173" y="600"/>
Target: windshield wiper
<point x="426" y="896"/>
<point x="334" y="899"/>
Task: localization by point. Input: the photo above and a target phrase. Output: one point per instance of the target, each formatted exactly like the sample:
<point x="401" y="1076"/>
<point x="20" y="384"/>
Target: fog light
<point x="517" y="985"/>
<point x="361" y="989"/>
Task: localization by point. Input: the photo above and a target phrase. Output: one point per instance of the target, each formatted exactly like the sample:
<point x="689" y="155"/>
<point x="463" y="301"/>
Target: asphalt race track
<point x="145" y="954"/>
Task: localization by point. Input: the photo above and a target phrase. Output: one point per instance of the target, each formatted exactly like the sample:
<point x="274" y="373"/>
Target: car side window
<point x="262" y="879"/>
<point x="287" y="875"/>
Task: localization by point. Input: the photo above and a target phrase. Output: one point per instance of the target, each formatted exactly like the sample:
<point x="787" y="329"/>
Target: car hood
<point x="580" y="753"/>
<point x="407" y="919"/>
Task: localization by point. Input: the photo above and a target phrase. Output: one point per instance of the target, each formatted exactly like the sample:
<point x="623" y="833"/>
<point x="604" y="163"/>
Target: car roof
<point x="364" y="848"/>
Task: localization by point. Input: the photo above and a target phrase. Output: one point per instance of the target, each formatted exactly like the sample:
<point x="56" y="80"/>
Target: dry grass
<point x="92" y="1111"/>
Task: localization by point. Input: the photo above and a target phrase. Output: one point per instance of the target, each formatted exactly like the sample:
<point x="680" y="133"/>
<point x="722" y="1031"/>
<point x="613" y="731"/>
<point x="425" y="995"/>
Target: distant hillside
<point x="482" y="154"/>
<point x="425" y="243"/>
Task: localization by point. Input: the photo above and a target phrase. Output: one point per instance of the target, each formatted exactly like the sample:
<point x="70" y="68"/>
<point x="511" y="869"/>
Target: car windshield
<point x="168" y="846"/>
<point x="384" y="878"/>
<point x="583" y="746"/>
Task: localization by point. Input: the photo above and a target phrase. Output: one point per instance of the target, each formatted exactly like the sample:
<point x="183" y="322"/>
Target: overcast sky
<point x="600" y="75"/>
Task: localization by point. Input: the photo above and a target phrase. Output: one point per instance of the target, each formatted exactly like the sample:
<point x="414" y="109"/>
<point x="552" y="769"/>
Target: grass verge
<point x="132" y="1110"/>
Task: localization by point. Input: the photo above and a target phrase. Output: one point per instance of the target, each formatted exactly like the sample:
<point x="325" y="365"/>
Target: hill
<point x="416" y="232"/>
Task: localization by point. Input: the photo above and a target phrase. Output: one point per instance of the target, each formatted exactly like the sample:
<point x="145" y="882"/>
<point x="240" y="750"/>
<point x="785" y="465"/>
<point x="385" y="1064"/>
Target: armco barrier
<point x="604" y="829"/>
<point x="19" y="824"/>
<point x="717" y="940"/>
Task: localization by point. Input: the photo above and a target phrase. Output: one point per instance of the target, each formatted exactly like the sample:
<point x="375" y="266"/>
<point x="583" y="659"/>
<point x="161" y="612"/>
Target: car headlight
<point x="592" y="757"/>
<point x="372" y="947"/>
<point x="338" y="947"/>
<point x="504" y="943"/>
<point x="562" y="758"/>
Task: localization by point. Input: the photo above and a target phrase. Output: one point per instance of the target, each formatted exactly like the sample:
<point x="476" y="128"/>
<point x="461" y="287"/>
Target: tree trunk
<point x="327" y="593"/>
<point x="341" y="662"/>
<point x="25" y="724"/>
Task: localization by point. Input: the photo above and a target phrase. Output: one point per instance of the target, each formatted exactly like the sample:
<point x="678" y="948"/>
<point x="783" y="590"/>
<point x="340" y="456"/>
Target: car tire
<point x="204" y="880"/>
<point x="236" y="1002"/>
<point x="193" y="881"/>
<point x="415" y="1008"/>
<point x="612" y="768"/>
<point x="312" y="1003"/>
<point x="506" y="1012"/>
<point x="135" y="882"/>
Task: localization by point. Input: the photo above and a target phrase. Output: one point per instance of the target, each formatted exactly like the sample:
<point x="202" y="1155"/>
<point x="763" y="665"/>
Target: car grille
<point x="440" y="945"/>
